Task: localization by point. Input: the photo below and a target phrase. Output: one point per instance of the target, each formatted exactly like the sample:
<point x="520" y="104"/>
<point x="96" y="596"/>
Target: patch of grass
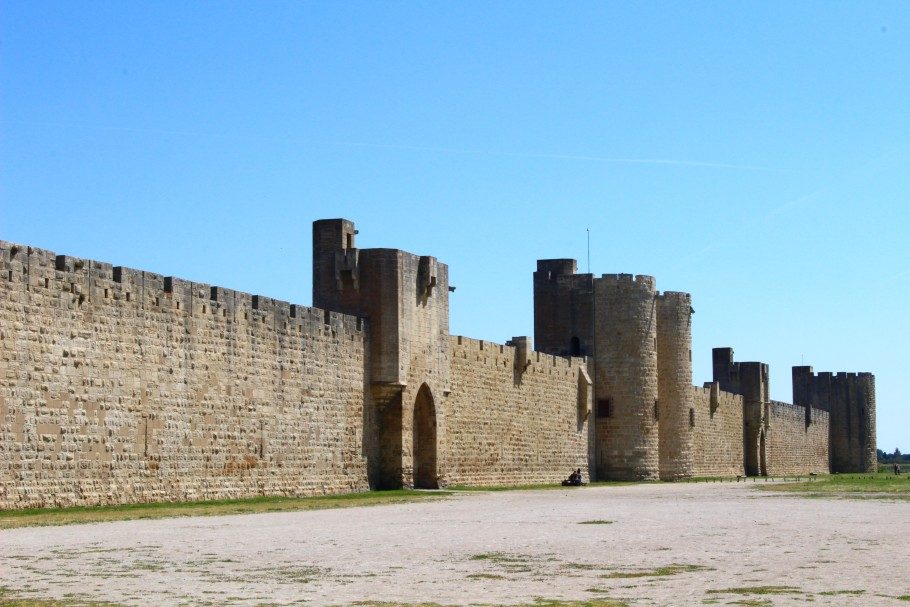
<point x="903" y="597"/>
<point x="863" y="486"/>
<point x="752" y="602"/>
<point x="836" y="592"/>
<point x="10" y="599"/>
<point x="659" y="572"/>
<point x="485" y="576"/>
<point x="596" y="522"/>
<point x="511" y="563"/>
<point x="599" y="602"/>
<point x="758" y="590"/>
<point x="499" y="557"/>
<point x="540" y="602"/>
<point x="36" y="517"/>
<point x="294" y="575"/>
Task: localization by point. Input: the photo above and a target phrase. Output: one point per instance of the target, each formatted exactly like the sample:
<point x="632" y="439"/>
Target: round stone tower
<point x="865" y="383"/>
<point x="625" y="366"/>
<point x="676" y="423"/>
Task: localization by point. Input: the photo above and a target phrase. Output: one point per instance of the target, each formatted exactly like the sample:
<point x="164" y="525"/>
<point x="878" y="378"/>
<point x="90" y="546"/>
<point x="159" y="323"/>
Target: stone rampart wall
<point x="118" y="385"/>
<point x="791" y="446"/>
<point x="718" y="433"/>
<point x="506" y="424"/>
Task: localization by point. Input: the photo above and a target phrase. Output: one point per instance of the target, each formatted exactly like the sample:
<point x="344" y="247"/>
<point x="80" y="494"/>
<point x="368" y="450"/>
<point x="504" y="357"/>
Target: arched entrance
<point x="425" y="440"/>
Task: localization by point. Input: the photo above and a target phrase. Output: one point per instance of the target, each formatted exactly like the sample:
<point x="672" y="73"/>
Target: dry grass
<point x="881" y="485"/>
<point x="68" y="516"/>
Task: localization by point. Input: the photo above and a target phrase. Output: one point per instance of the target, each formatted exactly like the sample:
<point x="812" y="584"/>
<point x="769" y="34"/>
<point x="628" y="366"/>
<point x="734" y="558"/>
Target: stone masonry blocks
<point x="626" y="377"/>
<point x="676" y="423"/>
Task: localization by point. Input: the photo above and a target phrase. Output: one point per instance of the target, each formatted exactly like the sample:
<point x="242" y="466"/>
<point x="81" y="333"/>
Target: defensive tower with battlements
<point x="849" y="398"/>
<point x="674" y="385"/>
<point x="406" y="299"/>
<point x="651" y="422"/>
<point x="625" y="377"/>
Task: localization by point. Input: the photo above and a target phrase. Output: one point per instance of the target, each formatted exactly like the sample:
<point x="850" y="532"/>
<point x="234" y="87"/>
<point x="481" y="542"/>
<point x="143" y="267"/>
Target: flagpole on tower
<point x="588" y="230"/>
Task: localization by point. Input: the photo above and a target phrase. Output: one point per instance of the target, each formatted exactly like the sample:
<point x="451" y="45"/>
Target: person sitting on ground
<point x="573" y="480"/>
<point x="578" y="477"/>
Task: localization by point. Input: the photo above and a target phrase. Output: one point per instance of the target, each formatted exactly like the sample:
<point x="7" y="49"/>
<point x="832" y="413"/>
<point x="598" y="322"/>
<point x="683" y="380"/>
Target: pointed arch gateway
<point x="425" y="471"/>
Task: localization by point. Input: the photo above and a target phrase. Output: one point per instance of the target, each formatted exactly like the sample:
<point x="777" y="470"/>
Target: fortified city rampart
<point x="120" y="385"/>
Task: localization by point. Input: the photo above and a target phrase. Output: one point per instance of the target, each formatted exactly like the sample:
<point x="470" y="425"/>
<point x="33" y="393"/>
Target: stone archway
<point x="425" y="473"/>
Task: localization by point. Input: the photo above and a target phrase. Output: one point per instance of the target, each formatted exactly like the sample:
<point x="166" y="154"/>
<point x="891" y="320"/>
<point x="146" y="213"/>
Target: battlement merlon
<point x="679" y="296"/>
<point x="750" y="379"/>
<point x="556" y="267"/>
<point x="642" y="281"/>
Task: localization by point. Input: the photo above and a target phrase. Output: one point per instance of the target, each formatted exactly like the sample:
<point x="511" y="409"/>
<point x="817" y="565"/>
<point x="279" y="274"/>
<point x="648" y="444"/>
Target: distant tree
<point x="881" y="455"/>
<point x="897" y="454"/>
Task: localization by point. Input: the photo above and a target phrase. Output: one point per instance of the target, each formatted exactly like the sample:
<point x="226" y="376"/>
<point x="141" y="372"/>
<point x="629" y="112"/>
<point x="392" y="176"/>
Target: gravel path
<point x="664" y="544"/>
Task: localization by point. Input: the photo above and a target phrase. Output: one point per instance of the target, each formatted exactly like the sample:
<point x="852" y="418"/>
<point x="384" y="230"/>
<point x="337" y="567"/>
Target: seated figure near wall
<point x="574" y="479"/>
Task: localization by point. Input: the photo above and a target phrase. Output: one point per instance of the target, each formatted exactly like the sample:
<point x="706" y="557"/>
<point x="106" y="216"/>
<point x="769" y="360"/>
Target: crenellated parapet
<point x="76" y="284"/>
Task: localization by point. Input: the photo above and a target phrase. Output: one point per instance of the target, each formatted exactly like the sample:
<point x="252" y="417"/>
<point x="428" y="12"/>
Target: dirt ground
<point x="652" y="544"/>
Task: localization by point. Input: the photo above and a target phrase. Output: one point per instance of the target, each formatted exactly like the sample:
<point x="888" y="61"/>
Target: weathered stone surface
<point x="510" y="424"/>
<point x="125" y="386"/>
<point x="120" y="385"/>
<point x="718" y="432"/>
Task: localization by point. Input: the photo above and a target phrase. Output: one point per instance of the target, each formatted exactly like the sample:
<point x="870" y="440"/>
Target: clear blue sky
<point x="756" y="155"/>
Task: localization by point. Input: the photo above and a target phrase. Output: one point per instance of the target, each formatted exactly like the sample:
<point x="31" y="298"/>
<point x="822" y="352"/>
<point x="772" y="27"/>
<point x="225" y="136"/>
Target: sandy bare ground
<point x="497" y="548"/>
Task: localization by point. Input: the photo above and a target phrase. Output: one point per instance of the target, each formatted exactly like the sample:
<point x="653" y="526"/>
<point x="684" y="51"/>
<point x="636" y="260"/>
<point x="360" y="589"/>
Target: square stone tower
<point x="405" y="298"/>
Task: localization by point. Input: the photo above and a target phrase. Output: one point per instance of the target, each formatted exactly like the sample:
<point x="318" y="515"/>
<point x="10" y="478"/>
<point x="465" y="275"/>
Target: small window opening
<point x="246" y="316"/>
<point x="690" y="355"/>
<point x="691" y="418"/>
<point x="105" y="291"/>
<point x="347" y="279"/>
<point x="72" y="287"/>
<point x="203" y="308"/>
<point x="127" y="296"/>
<point x="47" y="283"/>
<point x="178" y="304"/>
<point x="605" y="407"/>
<point x="157" y="301"/>
<point x="350" y="240"/>
<point x="224" y="313"/>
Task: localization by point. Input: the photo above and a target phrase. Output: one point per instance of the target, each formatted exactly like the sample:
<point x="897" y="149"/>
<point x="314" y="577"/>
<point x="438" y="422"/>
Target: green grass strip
<point x="95" y="514"/>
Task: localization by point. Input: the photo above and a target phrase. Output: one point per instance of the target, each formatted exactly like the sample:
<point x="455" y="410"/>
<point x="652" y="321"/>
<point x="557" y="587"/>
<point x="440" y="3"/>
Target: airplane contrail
<point x="427" y="148"/>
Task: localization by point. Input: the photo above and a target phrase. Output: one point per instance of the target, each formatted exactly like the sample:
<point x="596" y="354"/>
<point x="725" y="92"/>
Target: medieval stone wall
<point x="119" y="385"/>
<point x="718" y="430"/>
<point x="507" y="423"/>
<point x="791" y="446"/>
